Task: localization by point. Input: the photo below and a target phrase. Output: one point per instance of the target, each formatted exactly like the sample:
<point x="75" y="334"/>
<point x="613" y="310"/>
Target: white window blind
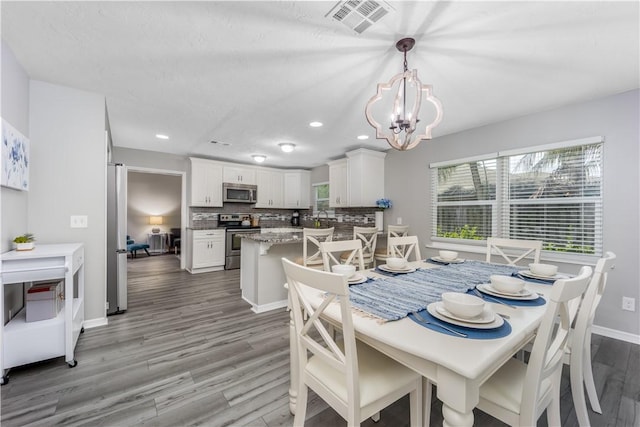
<point x="465" y="199"/>
<point x="553" y="194"/>
<point x="556" y="196"/>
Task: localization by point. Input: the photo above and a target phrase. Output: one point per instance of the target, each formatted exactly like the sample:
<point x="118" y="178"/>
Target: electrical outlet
<point x="399" y="220"/>
<point x="628" y="304"/>
<point x="106" y="305"/>
<point x="79" y="221"/>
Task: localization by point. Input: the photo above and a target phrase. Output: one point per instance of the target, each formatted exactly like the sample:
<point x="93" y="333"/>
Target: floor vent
<point x="359" y="15"/>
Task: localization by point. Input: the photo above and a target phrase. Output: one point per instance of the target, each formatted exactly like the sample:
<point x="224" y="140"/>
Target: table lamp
<point x="155" y="220"/>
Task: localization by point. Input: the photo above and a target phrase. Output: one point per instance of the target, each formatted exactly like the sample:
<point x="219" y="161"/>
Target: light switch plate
<point x="79" y="221"/>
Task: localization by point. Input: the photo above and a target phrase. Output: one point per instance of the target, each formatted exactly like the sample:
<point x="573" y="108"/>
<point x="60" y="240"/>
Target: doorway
<point x="156" y="209"/>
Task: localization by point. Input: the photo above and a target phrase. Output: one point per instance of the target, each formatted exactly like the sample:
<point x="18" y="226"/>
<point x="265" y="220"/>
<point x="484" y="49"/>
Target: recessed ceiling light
<point x="259" y="158"/>
<point x="315" y="124"/>
<point x="287" y="147"/>
<point x="363" y="136"/>
<point x="161" y="136"/>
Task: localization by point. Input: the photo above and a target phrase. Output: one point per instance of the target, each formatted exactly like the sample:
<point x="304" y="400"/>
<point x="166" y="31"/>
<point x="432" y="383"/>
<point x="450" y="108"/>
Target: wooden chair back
<point x="311" y="239"/>
<point x="552" y="338"/>
<point x="403" y="247"/>
<point x="513" y="250"/>
<point x="334" y="253"/>
<point x="369" y="238"/>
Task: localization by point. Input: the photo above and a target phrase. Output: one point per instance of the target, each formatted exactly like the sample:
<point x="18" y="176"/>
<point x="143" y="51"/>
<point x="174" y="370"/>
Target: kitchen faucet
<point x="317" y="222"/>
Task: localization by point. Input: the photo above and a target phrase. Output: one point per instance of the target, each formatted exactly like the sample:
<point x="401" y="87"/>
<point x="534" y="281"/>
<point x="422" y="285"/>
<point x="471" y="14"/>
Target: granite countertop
<point x="288" y="237"/>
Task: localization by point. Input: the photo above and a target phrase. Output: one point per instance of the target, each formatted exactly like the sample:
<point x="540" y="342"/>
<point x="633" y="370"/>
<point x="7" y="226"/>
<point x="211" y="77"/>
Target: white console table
<point x="27" y="342"/>
<point x="158" y="242"/>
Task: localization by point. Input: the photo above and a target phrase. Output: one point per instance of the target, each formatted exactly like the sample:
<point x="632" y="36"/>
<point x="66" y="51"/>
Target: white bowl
<point x="507" y="284"/>
<point x="462" y="305"/>
<point x="396" y="263"/>
<point x="344" y="269"/>
<point x="448" y="255"/>
<point x="543" y="269"/>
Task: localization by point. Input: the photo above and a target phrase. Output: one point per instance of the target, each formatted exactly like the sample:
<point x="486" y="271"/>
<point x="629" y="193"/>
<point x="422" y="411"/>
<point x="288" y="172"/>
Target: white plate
<point x="385" y="267"/>
<point x="487" y="315"/>
<point x="452" y="261"/>
<point x="497" y="320"/>
<point x="357" y="279"/>
<point x="525" y="295"/>
<point x="527" y="273"/>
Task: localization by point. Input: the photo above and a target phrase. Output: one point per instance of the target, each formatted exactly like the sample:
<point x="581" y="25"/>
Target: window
<point x="321" y="198"/>
<point x="551" y="193"/>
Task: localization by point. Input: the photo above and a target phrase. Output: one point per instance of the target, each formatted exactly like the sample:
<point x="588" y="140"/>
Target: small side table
<point x="158" y="242"/>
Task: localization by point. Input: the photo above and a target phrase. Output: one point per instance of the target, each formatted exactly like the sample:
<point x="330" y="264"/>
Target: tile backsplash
<point x="345" y="218"/>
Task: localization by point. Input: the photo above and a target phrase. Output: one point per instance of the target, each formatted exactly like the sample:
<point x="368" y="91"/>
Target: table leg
<point x="459" y="396"/>
<point x="454" y="418"/>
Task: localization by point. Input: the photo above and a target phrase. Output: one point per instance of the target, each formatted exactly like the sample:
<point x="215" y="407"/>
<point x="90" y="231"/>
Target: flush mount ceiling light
<point x="259" y="158"/>
<point x="287" y="147"/>
<point x="363" y="137"/>
<point x="161" y="136"/>
<point x="315" y="124"/>
<point x="401" y="134"/>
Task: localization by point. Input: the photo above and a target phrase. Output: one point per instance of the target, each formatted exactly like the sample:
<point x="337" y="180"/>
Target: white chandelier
<point x="401" y="134"/>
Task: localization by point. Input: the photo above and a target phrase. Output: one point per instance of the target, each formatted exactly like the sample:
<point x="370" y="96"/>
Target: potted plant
<point x="24" y="242"/>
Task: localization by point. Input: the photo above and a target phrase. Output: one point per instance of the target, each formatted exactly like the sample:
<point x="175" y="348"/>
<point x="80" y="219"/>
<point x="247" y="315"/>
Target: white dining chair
<point x="334" y="253"/>
<point x="513" y="250"/>
<point x="353" y="378"/>
<point x="311" y="239"/>
<point x="404" y="247"/>
<point x="382" y="253"/>
<point x="518" y="393"/>
<point x="578" y="354"/>
<point x="369" y="238"/>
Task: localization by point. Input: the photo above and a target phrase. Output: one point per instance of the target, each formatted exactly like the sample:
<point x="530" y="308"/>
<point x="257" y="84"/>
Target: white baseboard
<point x="615" y="334"/>
<point x="94" y="323"/>
<point x="266" y="307"/>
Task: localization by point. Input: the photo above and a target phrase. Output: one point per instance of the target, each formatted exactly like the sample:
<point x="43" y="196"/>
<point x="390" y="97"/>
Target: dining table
<point x="457" y="365"/>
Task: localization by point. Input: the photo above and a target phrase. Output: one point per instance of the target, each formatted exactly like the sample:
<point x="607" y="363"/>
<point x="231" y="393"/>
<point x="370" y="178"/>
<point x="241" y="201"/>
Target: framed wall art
<point x="15" y="158"/>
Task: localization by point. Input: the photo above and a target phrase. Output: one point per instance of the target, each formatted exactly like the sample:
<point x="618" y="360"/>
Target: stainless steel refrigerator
<point x="116" y="239"/>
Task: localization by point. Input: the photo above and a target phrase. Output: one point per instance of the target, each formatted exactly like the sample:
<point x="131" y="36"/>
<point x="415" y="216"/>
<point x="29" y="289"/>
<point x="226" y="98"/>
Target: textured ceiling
<point x="254" y="74"/>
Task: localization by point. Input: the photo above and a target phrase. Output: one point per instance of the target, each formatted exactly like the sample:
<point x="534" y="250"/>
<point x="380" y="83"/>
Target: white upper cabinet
<point x="297" y="188"/>
<point x="358" y="180"/>
<point x="365" y="177"/>
<point x="239" y="174"/>
<point x="206" y="183"/>
<point x="270" y="188"/>
<point x="338" y="184"/>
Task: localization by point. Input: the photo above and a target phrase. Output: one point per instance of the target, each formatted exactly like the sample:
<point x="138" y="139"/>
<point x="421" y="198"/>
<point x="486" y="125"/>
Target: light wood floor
<point x="190" y="352"/>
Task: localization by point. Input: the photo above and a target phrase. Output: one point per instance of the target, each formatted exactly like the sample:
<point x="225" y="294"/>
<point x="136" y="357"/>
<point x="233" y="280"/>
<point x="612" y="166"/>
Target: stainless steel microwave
<point x="239" y="193"/>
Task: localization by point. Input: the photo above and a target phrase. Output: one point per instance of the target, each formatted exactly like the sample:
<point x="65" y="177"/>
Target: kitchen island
<point x="261" y="275"/>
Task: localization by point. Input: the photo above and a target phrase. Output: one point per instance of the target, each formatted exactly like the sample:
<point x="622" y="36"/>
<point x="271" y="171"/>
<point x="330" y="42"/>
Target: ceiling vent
<point x="359" y="15"/>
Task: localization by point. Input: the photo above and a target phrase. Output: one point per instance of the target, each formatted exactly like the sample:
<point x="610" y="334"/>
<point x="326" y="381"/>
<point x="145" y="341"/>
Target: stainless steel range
<point x="236" y="225"/>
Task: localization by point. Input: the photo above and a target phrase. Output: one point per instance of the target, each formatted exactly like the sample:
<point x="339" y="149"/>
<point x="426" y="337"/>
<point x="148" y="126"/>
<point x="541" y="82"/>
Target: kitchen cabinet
<point x="338" y="185"/>
<point x="239" y="174"/>
<point x="270" y="188"/>
<point x="365" y="177"/>
<point x="207" y="250"/>
<point x="206" y="183"/>
<point x="358" y="180"/>
<point x="297" y="187"/>
<point x="25" y="342"/>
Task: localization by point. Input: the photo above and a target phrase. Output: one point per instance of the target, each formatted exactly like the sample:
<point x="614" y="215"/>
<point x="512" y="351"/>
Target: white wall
<point x="407" y="182"/>
<point x="13" y="203"/>
<point x="15" y="111"/>
<point x="68" y="169"/>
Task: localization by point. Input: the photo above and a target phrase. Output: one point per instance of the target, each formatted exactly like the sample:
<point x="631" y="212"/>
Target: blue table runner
<point x="392" y="298"/>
